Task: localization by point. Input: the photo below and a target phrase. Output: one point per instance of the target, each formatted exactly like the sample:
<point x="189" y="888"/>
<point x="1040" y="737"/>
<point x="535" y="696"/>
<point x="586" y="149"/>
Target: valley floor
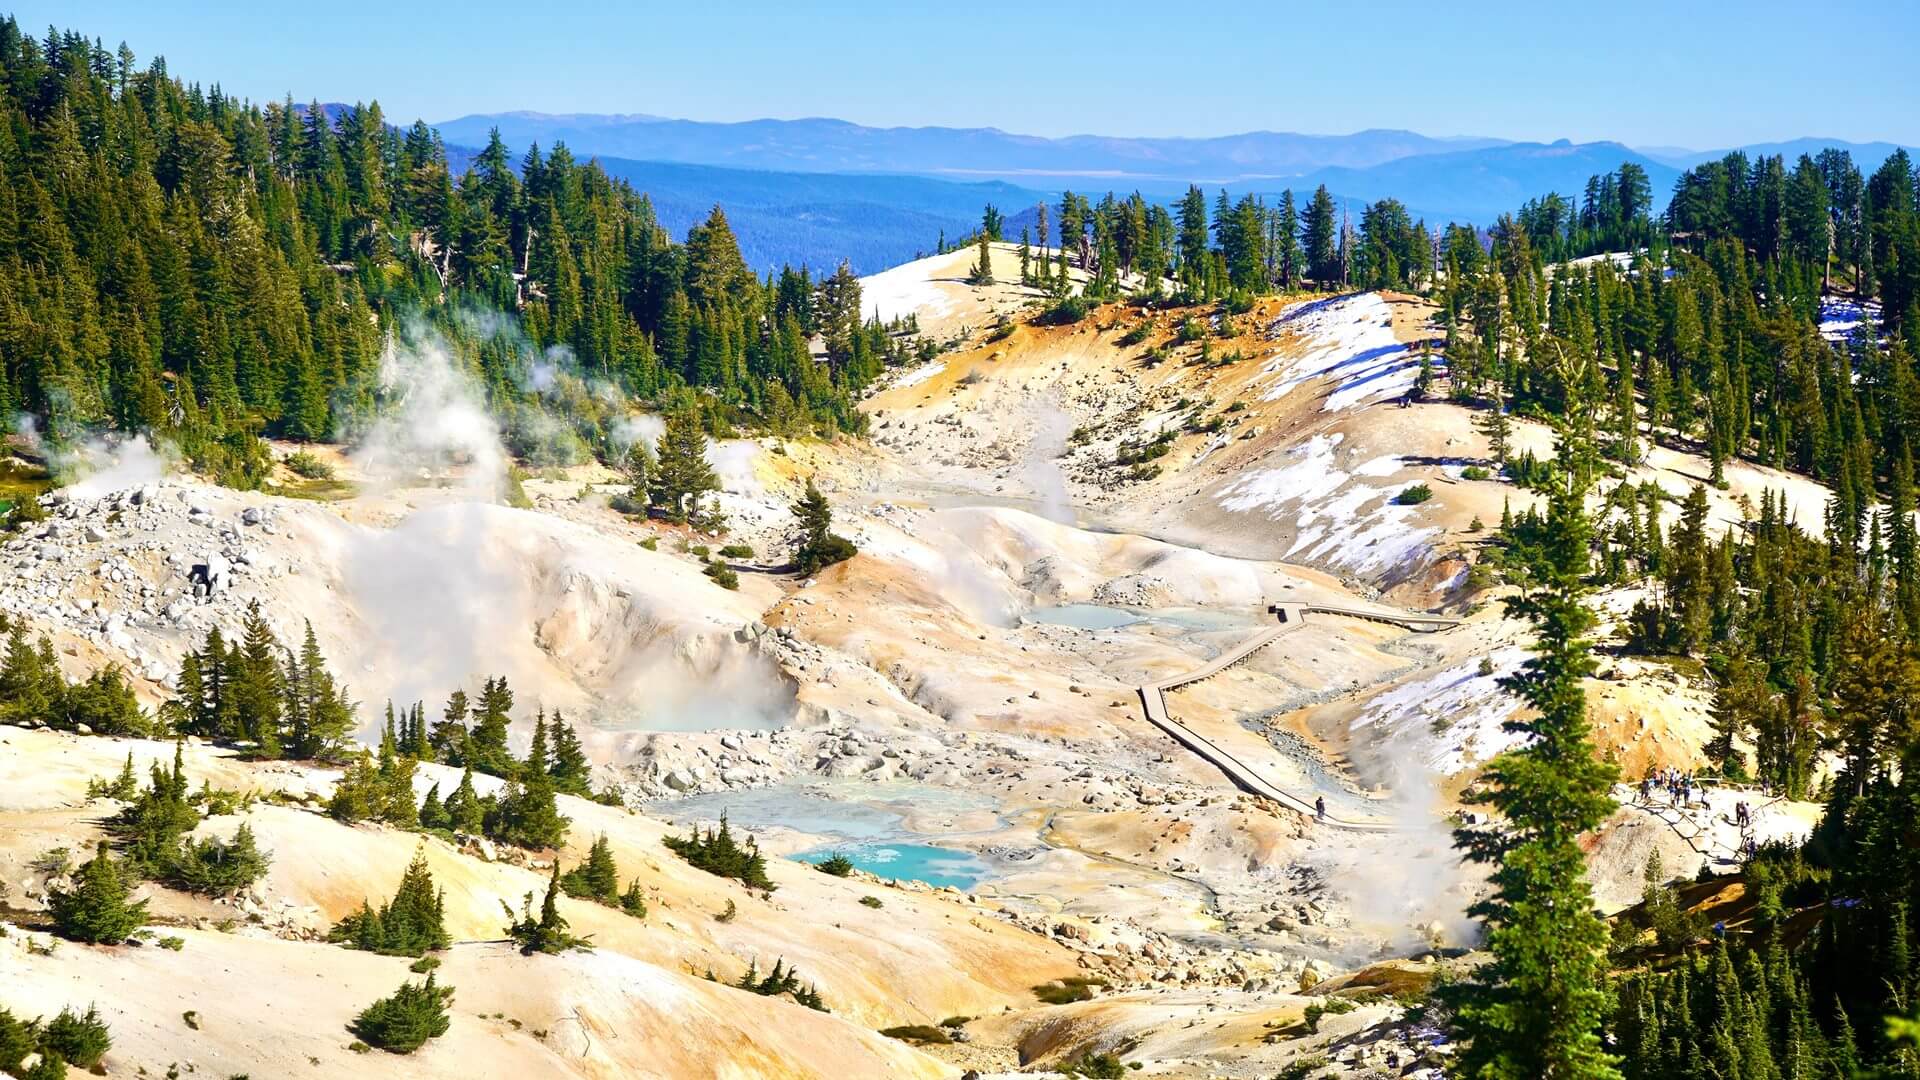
<point x="959" y="700"/>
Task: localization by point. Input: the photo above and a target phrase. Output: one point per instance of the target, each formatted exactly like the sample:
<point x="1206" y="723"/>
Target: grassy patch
<point x="1068" y="990"/>
<point x="924" y="1034"/>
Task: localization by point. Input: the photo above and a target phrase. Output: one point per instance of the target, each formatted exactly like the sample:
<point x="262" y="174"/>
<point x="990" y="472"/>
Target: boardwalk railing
<point x="1291" y="616"/>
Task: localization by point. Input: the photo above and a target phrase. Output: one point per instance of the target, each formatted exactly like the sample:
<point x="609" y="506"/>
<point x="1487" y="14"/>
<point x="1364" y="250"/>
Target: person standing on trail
<point x="1320" y="807"/>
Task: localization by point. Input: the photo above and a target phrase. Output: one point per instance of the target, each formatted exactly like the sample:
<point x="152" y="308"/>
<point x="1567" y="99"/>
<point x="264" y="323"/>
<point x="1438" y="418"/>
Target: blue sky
<point x="1649" y="74"/>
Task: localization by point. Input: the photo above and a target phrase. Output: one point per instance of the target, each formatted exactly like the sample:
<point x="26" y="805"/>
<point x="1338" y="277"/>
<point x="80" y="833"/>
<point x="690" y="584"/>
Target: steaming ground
<point x="946" y="684"/>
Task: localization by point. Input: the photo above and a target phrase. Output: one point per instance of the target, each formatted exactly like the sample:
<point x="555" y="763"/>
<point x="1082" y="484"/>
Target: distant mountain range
<point x="819" y="190"/>
<point x="1479" y="185"/>
<point x="1089" y="161"/>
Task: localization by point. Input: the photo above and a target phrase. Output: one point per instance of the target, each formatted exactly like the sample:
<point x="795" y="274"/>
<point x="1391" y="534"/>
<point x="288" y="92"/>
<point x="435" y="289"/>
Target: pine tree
<point x="485" y="746"/>
<point x="683" y="475"/>
<point x="255" y="684"/>
<point x="1536" y="1009"/>
<point x="433" y="812"/>
<point x="449" y="738"/>
<point x="465" y="813"/>
<point x="413" y="923"/>
<point x="320" y="718"/>
<point x="80" y="1039"/>
<point x="219" y="868"/>
<point x="981" y="272"/>
<point x="404" y="1022"/>
<point x="633" y="902"/>
<point x="639" y="467"/>
<point x="1321" y="239"/>
<point x="97" y="910"/>
<point x="546" y="933"/>
<point x="596" y="879"/>
<point x="816" y="546"/>
<point x="572" y="773"/>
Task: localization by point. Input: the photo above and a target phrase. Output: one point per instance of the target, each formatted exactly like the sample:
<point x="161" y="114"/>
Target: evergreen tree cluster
<point x="1812" y="651"/>
<point x="779" y="982"/>
<point x="1239" y="248"/>
<point x="546" y="932"/>
<point x="153" y="835"/>
<point x="71" y="1038"/>
<point x="413" y="923"/>
<point x="598" y="879"/>
<point x="33" y="689"/>
<point x="180" y="261"/>
<point x="254" y="691"/>
<point x="1536" y="1009"/>
<point x="717" y="852"/>
<point x="379" y="787"/>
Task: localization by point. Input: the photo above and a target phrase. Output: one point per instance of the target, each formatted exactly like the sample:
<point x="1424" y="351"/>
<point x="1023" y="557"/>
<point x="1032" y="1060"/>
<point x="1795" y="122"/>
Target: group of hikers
<point x="1679" y="786"/>
<point x="1681" y="789"/>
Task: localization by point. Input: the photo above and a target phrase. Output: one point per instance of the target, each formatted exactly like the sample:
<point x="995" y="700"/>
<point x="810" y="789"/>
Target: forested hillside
<point x="178" y="261"/>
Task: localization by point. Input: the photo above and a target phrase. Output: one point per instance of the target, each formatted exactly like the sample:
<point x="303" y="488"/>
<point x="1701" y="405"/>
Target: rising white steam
<point x="97" y="465"/>
<point x="1051" y="427"/>
<point x="433" y="418"/>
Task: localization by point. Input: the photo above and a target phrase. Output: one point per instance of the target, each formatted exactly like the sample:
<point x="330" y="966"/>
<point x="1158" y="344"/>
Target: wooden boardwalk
<point x="1291" y="617"/>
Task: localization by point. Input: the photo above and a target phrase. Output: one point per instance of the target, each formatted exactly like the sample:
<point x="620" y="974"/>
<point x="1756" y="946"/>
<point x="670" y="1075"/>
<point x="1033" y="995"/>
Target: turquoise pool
<point x="937" y="866"/>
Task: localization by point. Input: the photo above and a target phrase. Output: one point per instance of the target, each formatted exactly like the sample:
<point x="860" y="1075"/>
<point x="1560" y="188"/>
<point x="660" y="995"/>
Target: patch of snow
<point x="904" y="290"/>
<point x="1348" y="339"/>
<point x="1463" y="711"/>
<point x="1314" y="476"/>
<point x="920" y="374"/>
<point x="1841" y="318"/>
<point x="1330" y="510"/>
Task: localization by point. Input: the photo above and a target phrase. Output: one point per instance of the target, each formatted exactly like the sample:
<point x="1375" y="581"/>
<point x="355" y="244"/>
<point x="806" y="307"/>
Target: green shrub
<point x="1414" y="495"/>
<point x="918" y="1033"/>
<point x="1136" y="335"/>
<point x="632" y="902"/>
<point x="1067" y="309"/>
<point x="546" y="932"/>
<point x="1096" y="1066"/>
<point x="1332" y="1006"/>
<point x="404" y="1022"/>
<point x="216" y="867"/>
<point x="871" y="901"/>
<point x="1136" y="453"/>
<point x="782" y="980"/>
<point x="96" y="910"/>
<point x="1475" y="472"/>
<point x="736" y="551"/>
<point x="1068" y="990"/>
<point x="124" y="787"/>
<point x="104" y="702"/>
<point x="836" y="864"/>
<point x="723" y="575"/>
<point x="79" y="1040"/>
<point x="304" y="464"/>
<point x="1303" y="1069"/>
<point x="18" y="1038"/>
